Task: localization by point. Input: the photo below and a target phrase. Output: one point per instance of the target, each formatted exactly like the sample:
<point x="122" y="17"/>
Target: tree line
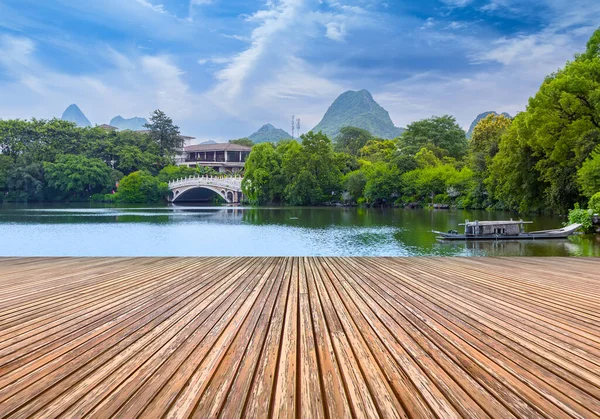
<point x="547" y="158"/>
<point x="54" y="160"/>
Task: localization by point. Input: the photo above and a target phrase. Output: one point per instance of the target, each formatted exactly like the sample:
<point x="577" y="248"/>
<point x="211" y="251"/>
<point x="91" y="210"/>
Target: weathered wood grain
<point x="299" y="337"/>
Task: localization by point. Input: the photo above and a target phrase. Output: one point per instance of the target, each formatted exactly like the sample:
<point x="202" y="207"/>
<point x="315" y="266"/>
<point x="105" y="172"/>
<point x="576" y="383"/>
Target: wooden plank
<point x="299" y="337"/>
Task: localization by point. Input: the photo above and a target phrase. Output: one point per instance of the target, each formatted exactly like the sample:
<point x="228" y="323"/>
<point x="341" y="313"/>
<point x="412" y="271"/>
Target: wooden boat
<point x="504" y="230"/>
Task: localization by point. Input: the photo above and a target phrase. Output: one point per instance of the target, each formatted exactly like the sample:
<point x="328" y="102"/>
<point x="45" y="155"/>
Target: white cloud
<point x="456" y="3"/>
<point x="524" y="48"/>
<point x="335" y="31"/>
<point x="269" y="79"/>
<point x="16" y="51"/>
<point x="132" y="85"/>
<point x="521" y="63"/>
<point x="454" y="25"/>
<point x="159" y="8"/>
<point x="429" y="23"/>
<point x="494" y="5"/>
<point x="214" y="60"/>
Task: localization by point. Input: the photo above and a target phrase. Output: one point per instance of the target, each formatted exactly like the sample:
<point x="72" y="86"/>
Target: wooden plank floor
<point x="299" y="337"/>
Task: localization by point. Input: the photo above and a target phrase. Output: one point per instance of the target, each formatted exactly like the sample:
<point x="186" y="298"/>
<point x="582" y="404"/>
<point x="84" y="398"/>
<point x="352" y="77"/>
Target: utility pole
<point x="293" y="125"/>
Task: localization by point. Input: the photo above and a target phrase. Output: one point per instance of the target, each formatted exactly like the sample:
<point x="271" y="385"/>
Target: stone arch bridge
<point x="229" y="188"/>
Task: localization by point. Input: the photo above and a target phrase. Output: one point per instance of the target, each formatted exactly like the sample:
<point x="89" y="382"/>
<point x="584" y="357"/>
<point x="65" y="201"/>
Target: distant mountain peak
<point x="269" y="134"/>
<point x="480" y="117"/>
<point x="357" y="109"/>
<point x="74" y="114"/>
<point x="267" y="126"/>
<point x="134" y="124"/>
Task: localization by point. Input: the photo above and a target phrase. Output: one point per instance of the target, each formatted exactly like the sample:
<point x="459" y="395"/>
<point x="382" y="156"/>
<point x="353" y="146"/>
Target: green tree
<point x="78" y="177"/>
<point x="131" y="158"/>
<point x="311" y="169"/>
<point x="261" y="181"/>
<point x="405" y="163"/>
<point x="513" y="180"/>
<point x="440" y="134"/>
<point x="354" y="183"/>
<point x="172" y="172"/>
<point x="346" y="162"/>
<point x="583" y="217"/>
<point x="594" y="203"/>
<point x="25" y="181"/>
<point x="384" y="183"/>
<point x="351" y="139"/>
<point x="428" y="182"/>
<point x="589" y="174"/>
<point x="141" y="187"/>
<point x="164" y="133"/>
<point x="552" y="138"/>
<point x="427" y="158"/>
<point x="484" y="145"/>
<point x="6" y="163"/>
<point x="242" y="141"/>
<point x="379" y="150"/>
<point x="40" y="139"/>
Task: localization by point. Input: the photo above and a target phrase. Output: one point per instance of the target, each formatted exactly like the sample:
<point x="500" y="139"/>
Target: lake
<point x="96" y="230"/>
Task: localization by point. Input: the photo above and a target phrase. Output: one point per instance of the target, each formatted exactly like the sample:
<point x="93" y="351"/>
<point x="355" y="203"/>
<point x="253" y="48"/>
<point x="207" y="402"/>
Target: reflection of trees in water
<point x="587" y="245"/>
<point x="132" y="218"/>
<point x="558" y="247"/>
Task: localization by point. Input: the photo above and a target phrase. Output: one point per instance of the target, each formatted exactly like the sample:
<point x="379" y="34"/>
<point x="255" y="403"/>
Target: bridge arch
<point x="228" y="188"/>
<point x="198" y="193"/>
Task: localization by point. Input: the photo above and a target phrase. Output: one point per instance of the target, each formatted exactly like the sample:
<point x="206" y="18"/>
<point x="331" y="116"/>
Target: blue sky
<point x="223" y="68"/>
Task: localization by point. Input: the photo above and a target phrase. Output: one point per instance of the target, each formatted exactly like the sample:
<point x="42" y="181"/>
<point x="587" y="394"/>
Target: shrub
<point x="583" y="217"/>
<point x="594" y="203"/>
<point x="141" y="187"/>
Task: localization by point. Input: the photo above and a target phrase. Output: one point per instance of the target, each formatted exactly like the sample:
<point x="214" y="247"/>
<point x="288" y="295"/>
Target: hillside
<point x="358" y="109"/>
<point x="480" y="117"/>
<point x="269" y="134"/>
<point x="134" y="124"/>
<point x="74" y="114"/>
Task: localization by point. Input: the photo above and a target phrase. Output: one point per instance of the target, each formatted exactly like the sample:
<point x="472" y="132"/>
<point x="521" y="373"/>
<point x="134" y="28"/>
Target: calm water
<point x="226" y="231"/>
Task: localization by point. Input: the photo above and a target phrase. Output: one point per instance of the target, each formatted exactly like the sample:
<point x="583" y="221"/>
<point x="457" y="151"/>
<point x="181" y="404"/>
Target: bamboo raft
<point x="299" y="337"/>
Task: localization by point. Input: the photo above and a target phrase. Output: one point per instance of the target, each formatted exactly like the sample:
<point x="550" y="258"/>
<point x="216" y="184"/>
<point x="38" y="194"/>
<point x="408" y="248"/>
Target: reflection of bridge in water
<point x="228" y="188"/>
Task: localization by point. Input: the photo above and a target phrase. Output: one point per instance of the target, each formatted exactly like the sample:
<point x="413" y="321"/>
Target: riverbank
<point x="330" y="337"/>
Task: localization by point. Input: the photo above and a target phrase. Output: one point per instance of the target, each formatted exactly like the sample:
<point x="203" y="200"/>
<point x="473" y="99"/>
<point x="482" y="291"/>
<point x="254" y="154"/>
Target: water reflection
<point x="100" y="230"/>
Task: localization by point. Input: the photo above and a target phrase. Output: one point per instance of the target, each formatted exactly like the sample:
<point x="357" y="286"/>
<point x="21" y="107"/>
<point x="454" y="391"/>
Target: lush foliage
<point x="583" y="217"/>
<point x="25" y="181"/>
<point x="594" y="203"/>
<point x="140" y="186"/>
<point x="56" y="160"/>
<point x="589" y="174"/>
<point x="351" y="139"/>
<point x="5" y="165"/>
<point x="442" y="135"/>
<point x="545" y="159"/>
<point x="540" y="156"/>
<point x="164" y="133"/>
<point x="294" y="173"/>
<point x="78" y="177"/>
<point x="484" y="145"/>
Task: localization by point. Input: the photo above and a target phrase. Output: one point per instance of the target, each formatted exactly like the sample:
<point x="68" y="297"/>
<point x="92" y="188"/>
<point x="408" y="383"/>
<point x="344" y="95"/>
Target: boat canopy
<point x="494" y="223"/>
<point x="508" y="228"/>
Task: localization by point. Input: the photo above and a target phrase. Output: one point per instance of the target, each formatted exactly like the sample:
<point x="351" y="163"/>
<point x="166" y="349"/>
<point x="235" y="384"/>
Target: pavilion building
<point x="222" y="157"/>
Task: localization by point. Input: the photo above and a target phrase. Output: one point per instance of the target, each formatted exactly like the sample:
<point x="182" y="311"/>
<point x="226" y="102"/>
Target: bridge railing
<point x="234" y="182"/>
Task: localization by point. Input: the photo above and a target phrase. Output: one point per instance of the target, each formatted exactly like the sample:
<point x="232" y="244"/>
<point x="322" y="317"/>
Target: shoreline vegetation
<point x="545" y="159"/>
